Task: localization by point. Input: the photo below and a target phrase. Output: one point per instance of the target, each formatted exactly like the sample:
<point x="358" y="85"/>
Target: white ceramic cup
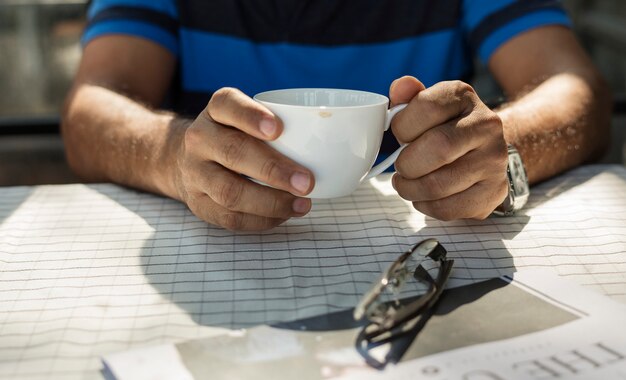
<point x="334" y="133"/>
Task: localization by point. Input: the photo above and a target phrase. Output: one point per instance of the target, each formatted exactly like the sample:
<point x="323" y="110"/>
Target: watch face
<point x="518" y="185"/>
<point x="518" y="175"/>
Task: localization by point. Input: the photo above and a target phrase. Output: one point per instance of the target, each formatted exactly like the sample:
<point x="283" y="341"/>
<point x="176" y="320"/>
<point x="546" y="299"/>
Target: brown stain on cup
<point x="325" y="114"/>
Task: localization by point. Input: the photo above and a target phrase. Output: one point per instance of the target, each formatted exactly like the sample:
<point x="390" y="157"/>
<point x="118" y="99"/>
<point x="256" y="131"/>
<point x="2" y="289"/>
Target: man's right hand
<point x="113" y="132"/>
<point x="224" y="146"/>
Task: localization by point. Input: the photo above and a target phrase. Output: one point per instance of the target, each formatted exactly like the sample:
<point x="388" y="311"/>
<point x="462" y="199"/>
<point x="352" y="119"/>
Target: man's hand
<point x="454" y="166"/>
<point x="222" y="146"/>
<point x="114" y="133"/>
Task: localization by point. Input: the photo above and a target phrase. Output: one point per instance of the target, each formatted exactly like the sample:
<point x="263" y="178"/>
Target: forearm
<point x="561" y="123"/>
<point x="111" y="138"/>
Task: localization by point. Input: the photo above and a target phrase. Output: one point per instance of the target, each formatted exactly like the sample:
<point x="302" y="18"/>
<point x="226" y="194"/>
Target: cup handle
<point x="381" y="167"/>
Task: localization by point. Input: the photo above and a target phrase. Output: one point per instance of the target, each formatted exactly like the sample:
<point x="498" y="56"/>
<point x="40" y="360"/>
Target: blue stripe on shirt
<point x="211" y="61"/>
<point x="132" y="28"/>
<point x="519" y="25"/>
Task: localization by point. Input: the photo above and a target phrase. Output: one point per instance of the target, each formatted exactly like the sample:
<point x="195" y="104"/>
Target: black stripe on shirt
<point x="149" y="16"/>
<point x="187" y="103"/>
<point x="320" y="22"/>
<point x="507" y="14"/>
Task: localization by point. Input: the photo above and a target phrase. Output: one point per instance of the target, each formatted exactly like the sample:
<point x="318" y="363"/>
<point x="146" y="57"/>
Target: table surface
<point x="86" y="270"/>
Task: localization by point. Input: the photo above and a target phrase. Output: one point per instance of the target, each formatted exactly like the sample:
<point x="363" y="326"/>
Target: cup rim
<point x="383" y="98"/>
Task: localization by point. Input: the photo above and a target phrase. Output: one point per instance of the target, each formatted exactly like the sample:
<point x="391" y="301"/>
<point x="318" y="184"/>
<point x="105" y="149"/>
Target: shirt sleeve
<point x="154" y="20"/>
<point x="490" y="23"/>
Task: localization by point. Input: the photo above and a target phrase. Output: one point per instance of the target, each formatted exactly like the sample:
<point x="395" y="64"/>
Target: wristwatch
<point x="518" y="185"/>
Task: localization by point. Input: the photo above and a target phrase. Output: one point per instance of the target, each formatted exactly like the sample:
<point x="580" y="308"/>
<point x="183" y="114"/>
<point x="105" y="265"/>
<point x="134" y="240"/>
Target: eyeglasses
<point x="387" y="314"/>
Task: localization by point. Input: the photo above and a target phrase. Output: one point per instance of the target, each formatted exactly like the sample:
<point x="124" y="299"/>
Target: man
<point x="143" y="56"/>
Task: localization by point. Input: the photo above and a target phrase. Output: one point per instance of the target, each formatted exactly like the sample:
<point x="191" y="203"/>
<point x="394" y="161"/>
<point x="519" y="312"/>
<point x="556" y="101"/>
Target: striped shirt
<point x="259" y="45"/>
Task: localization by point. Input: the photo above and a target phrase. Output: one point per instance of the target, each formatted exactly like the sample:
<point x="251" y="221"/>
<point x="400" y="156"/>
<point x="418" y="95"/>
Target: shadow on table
<point x="11" y="199"/>
<point x="484" y="312"/>
<point x="308" y="266"/>
<point x="302" y="269"/>
<point x="494" y="310"/>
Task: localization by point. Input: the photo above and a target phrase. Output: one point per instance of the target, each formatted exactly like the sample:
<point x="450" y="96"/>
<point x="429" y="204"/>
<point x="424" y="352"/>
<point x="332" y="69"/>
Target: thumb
<point x="402" y="90"/>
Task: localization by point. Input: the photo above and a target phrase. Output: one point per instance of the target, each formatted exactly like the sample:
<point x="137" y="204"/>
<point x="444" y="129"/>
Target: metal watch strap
<point x="518" y="185"/>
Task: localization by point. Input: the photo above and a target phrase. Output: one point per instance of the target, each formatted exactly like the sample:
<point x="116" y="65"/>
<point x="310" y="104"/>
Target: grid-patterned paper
<point x="86" y="270"/>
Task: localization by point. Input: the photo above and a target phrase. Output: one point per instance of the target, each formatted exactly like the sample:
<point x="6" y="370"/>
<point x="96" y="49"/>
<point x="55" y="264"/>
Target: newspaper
<point x="532" y="325"/>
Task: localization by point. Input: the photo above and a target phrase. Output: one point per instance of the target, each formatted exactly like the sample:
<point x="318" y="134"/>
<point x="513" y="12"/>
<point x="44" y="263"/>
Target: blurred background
<point x="40" y="50"/>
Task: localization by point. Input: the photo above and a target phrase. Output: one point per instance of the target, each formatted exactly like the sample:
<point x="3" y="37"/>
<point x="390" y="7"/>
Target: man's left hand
<point x="454" y="166"/>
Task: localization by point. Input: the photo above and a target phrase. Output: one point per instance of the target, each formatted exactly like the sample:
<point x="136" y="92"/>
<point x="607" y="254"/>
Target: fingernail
<point x="268" y="127"/>
<point x="301" y="205"/>
<point x="300" y="181"/>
